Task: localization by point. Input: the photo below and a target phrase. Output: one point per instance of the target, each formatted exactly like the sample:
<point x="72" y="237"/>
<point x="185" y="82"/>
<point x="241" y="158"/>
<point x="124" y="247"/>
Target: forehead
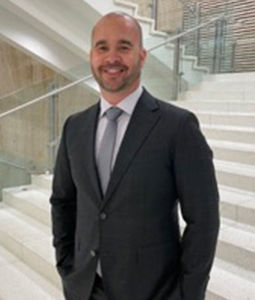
<point x="115" y="29"/>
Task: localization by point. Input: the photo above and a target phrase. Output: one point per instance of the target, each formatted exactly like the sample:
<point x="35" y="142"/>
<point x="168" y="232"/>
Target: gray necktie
<point x="104" y="161"/>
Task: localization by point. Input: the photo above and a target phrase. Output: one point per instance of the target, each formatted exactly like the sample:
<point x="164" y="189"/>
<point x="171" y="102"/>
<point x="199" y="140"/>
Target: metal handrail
<point x="171" y="39"/>
<point x="36" y="100"/>
<point x="56" y="91"/>
<point x="13" y="164"/>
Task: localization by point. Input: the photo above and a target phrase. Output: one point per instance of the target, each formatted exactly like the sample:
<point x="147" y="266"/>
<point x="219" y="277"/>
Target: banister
<point x="56" y="91"/>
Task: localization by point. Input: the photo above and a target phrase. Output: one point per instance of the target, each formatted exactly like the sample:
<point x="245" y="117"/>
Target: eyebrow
<point x="126" y="42"/>
<point x="100" y="42"/>
<point x="104" y="42"/>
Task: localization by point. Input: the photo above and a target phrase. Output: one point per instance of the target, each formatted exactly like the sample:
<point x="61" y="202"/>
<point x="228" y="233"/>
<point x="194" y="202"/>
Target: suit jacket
<point x="133" y="229"/>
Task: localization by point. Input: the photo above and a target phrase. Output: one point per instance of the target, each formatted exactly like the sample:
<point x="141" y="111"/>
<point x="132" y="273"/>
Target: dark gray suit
<point x="134" y="229"/>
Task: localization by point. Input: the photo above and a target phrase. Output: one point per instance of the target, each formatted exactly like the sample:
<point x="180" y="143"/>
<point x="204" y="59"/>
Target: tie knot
<point x="113" y="113"/>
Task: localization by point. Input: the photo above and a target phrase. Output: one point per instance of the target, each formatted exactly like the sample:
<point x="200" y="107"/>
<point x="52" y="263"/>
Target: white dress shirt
<point x="127" y="105"/>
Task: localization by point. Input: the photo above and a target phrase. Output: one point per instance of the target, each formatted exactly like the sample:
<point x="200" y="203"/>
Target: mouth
<point x="113" y="71"/>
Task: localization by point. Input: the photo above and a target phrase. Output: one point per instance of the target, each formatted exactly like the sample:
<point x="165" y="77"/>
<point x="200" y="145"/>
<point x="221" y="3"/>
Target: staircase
<point x="58" y="33"/>
<point x="27" y="258"/>
<point x="225" y="106"/>
<point x="238" y="33"/>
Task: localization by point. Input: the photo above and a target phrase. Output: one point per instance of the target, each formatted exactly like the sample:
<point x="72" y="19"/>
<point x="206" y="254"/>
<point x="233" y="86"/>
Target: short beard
<point x="125" y="84"/>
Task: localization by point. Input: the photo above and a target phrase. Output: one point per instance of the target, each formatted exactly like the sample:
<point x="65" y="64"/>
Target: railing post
<point x="154" y="12"/>
<point x="198" y="35"/>
<point x="221" y="44"/>
<point x="176" y="67"/>
<point x="233" y="57"/>
<point x="216" y="46"/>
<point x="52" y="128"/>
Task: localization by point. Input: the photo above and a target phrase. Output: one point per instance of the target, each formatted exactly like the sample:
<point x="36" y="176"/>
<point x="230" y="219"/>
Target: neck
<point x="117" y="97"/>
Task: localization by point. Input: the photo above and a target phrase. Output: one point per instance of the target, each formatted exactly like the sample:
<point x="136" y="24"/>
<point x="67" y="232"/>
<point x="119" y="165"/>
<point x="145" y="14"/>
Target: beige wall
<point x="143" y="7"/>
<point x="170" y="13"/>
<point x="19" y="70"/>
<point x="24" y="135"/>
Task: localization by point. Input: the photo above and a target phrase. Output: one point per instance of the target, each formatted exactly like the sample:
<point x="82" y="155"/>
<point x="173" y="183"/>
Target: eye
<point x="124" y="48"/>
<point x="102" y="48"/>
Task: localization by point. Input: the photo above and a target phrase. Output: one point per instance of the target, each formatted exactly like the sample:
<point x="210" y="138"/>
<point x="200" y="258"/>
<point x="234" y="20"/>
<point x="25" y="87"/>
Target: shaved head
<point x="117" y="55"/>
<point x="124" y="17"/>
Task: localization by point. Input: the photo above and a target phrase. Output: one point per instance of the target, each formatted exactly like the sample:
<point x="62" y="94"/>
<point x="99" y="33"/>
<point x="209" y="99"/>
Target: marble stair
<point x="225" y="107"/>
<point x="25" y="235"/>
<point x="26" y="253"/>
<point x="26" y="256"/>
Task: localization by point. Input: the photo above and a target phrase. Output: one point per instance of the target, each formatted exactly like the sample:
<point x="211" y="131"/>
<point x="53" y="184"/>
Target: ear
<point x="143" y="56"/>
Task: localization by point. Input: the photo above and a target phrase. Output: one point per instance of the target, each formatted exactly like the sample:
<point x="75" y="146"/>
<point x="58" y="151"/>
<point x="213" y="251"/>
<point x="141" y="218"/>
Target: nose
<point x="112" y="57"/>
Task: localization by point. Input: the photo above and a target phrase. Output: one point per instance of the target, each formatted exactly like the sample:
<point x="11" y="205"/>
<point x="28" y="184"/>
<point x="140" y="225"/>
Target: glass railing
<point x="27" y="92"/>
<point x="29" y="136"/>
<point x="30" y="131"/>
<point x="215" y="45"/>
<point x="168" y="15"/>
<point x="185" y="54"/>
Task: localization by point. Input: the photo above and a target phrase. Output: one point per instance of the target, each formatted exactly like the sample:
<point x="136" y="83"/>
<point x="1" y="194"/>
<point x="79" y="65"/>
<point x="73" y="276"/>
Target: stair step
<point x="218" y="94"/>
<point x="18" y="281"/>
<point x="236" y="244"/>
<point x="223" y="276"/>
<point x="237" y="205"/>
<point x="239" y="134"/>
<point x="29" y="240"/>
<point x="217" y="105"/>
<point x="235" y="175"/>
<point x="235" y="152"/>
<point x="43" y="181"/>
<point x="226" y="118"/>
<point x="30" y="200"/>
<point x="229" y="282"/>
<point x="222" y="86"/>
<point x="232" y="77"/>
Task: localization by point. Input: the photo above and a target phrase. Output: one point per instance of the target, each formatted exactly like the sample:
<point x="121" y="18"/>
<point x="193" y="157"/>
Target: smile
<point x="113" y="70"/>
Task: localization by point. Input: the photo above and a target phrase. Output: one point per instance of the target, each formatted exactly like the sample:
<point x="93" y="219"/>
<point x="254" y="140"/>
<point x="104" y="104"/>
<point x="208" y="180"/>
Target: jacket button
<point x="103" y="216"/>
<point x="93" y="253"/>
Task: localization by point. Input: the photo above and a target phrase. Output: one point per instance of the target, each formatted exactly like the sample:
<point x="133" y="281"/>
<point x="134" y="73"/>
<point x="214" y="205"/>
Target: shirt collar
<point x="127" y="104"/>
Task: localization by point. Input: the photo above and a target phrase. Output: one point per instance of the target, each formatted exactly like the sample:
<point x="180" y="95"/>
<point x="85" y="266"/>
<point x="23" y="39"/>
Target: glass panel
<point x="24" y="77"/>
<point x="158" y="75"/>
<point x="29" y="137"/>
<point x="13" y="99"/>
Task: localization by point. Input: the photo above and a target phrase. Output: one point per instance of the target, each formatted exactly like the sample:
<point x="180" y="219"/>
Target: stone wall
<point x="25" y="135"/>
<point x="169" y="13"/>
<point x="19" y="70"/>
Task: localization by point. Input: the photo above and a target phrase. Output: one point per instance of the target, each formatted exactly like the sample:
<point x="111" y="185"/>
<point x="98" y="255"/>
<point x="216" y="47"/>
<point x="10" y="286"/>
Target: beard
<point x="120" y="83"/>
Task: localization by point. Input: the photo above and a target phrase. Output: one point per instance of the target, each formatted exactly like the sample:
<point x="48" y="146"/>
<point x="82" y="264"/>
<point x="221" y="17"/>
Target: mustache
<point x="115" y="65"/>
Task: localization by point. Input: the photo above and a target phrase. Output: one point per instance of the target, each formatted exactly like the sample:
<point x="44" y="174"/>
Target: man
<point x="117" y="183"/>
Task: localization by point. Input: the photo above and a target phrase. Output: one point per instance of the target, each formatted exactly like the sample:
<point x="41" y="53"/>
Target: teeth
<point x="112" y="71"/>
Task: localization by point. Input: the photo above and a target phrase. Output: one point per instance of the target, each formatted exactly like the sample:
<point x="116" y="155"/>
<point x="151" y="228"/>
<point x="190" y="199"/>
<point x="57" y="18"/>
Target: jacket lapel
<point x="144" y="118"/>
<point x="88" y="148"/>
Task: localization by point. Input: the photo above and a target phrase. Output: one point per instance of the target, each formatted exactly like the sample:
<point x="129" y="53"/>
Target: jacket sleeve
<point x="63" y="211"/>
<point x="198" y="196"/>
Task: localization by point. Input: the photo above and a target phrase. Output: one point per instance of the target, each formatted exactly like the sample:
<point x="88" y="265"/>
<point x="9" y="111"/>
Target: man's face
<point x="116" y="56"/>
